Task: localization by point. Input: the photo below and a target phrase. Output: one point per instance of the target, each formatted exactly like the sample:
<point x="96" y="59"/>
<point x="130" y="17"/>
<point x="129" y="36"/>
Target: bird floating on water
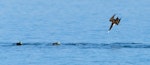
<point x="56" y="43"/>
<point x="114" y="21"/>
<point x="19" y="43"/>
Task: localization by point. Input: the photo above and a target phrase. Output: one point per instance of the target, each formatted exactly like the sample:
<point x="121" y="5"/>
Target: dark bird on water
<point x="114" y="21"/>
<point x="19" y="43"/>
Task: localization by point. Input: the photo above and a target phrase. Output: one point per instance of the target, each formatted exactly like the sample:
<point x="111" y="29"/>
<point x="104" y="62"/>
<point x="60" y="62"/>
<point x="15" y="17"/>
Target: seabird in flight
<point x="114" y="21"/>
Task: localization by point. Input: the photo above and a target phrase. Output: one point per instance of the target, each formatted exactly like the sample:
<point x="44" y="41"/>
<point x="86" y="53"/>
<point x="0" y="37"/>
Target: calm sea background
<point x="82" y="28"/>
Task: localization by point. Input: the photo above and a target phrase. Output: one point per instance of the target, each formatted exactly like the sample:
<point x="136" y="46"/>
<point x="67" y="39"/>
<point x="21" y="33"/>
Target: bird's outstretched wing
<point x="111" y="26"/>
<point x="112" y="18"/>
<point x="117" y="21"/>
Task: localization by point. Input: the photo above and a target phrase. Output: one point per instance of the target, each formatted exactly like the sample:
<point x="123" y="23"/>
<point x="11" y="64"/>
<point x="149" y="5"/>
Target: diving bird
<point x="114" y="21"/>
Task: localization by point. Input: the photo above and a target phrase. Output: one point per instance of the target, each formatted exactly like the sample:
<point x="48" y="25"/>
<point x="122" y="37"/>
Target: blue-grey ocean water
<point x="81" y="26"/>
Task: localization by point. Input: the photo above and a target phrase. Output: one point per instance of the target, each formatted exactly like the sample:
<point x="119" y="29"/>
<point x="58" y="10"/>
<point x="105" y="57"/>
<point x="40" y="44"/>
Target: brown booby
<point x="114" y="21"/>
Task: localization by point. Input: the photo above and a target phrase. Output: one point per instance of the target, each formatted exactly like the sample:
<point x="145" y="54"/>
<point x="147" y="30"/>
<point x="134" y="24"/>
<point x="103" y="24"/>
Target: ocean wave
<point x="87" y="45"/>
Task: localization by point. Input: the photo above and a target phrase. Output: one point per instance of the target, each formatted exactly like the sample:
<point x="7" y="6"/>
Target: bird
<point x="114" y="21"/>
<point x="56" y="43"/>
<point x="19" y="43"/>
